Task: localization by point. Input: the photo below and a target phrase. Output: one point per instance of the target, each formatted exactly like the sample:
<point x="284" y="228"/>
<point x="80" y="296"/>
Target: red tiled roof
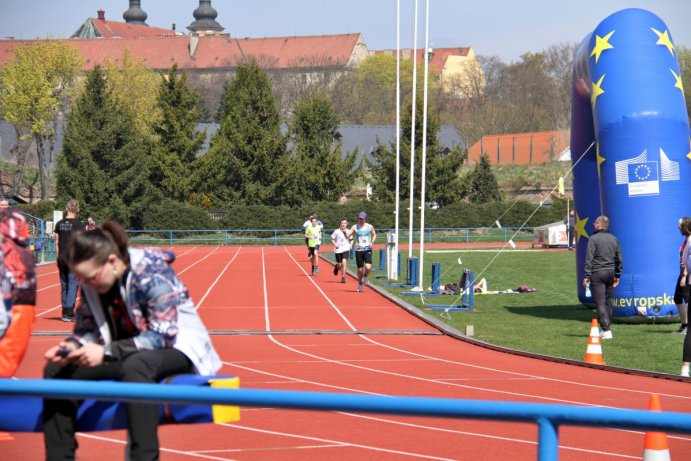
<point x="305" y="51"/>
<point x="520" y="148"/>
<point x="439" y="55"/>
<point x="110" y="29"/>
<point x="212" y="51"/>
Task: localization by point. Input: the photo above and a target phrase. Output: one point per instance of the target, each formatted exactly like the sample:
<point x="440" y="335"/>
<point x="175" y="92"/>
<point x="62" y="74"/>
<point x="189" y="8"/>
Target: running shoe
<point x="313" y="270"/>
<point x="335" y="269"/>
<point x="343" y="279"/>
<point x="316" y="270"/>
<point x="606" y="334"/>
<point x="360" y="286"/>
<point x="68" y="314"/>
<point x="682" y="329"/>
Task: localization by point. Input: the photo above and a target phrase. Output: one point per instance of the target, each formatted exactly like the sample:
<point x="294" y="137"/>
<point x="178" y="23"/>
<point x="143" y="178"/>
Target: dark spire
<point x="205" y="18"/>
<point x="135" y="15"/>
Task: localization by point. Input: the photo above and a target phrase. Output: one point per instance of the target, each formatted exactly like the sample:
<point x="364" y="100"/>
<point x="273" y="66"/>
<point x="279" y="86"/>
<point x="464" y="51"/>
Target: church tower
<point x="135" y="14"/>
<point x="205" y="19"/>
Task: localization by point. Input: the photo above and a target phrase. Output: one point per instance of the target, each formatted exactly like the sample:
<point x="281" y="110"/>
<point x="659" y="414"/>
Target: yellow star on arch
<point x="597" y="90"/>
<point x="601" y="44"/>
<point x="688" y="156"/>
<point x="600" y="160"/>
<point x="580" y="228"/>
<point x="664" y="40"/>
<point x="677" y="78"/>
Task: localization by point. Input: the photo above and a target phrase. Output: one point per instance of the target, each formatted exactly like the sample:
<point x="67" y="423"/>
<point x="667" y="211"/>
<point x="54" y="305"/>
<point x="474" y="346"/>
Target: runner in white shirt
<point x="365" y="235"/>
<point x="341" y="248"/>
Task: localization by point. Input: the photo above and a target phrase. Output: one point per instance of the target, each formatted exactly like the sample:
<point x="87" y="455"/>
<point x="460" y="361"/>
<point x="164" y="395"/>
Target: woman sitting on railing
<point x="136" y="323"/>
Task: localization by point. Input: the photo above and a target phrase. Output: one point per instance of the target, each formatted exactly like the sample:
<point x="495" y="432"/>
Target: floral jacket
<point x="160" y="308"/>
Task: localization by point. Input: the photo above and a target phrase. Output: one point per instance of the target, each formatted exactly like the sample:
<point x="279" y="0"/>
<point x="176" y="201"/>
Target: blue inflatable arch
<point x="632" y="156"/>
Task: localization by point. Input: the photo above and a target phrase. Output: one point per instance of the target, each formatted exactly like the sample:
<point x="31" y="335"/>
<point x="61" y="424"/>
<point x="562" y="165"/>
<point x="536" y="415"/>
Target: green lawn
<point x="550" y="321"/>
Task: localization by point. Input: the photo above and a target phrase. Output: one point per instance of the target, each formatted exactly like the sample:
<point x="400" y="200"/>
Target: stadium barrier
<point x="44" y="244"/>
<point x="237" y="237"/>
<point x="548" y="417"/>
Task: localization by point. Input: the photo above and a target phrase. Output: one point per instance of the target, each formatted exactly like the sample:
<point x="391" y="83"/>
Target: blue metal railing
<point x="295" y="236"/>
<point x="548" y="417"/>
<point x="45" y="244"/>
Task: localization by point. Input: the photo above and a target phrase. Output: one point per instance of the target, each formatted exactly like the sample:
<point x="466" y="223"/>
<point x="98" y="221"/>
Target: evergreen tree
<point x="325" y="176"/>
<point x="104" y="160"/>
<point x="443" y="184"/>
<point x="179" y="141"/>
<point x="247" y="159"/>
<point x="483" y="183"/>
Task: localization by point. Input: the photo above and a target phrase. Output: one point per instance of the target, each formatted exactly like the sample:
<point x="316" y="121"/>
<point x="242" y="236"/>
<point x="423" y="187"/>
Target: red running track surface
<point x="276" y="327"/>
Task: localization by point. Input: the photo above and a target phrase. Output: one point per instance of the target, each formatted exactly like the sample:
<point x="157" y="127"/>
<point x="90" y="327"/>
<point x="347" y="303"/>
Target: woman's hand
<point x="89" y="355"/>
<point x="61" y="354"/>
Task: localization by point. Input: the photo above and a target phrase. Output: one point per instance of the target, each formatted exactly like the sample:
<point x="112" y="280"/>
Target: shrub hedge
<point x="169" y="214"/>
<point x="382" y="215"/>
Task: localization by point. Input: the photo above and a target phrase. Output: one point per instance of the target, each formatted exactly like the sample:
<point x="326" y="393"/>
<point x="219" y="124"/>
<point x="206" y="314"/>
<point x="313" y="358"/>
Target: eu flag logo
<point x="643" y="178"/>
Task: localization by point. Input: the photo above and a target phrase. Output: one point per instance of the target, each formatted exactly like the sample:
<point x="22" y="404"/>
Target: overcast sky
<point x="504" y="28"/>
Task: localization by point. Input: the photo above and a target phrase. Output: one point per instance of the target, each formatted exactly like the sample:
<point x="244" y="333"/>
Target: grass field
<point x="550" y="321"/>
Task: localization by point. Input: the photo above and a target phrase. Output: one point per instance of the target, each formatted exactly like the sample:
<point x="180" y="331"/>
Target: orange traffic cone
<point x="4" y="436"/>
<point x="655" y="447"/>
<point x="593" y="353"/>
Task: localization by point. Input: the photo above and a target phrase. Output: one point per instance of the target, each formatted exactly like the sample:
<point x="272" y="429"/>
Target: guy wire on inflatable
<point x="631" y="156"/>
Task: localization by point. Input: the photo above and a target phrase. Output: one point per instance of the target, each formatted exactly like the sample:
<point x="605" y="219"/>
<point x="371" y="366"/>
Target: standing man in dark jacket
<point x="68" y="282"/>
<point x="603" y="267"/>
<point x="570" y="222"/>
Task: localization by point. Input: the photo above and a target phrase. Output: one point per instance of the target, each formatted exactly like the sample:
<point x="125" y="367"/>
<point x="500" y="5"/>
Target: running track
<point x="276" y="327"/>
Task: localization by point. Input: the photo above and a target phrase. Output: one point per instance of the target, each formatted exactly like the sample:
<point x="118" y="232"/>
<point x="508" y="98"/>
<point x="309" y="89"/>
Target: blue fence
<point x="296" y="236"/>
<point x="548" y="417"/>
<point x="44" y="245"/>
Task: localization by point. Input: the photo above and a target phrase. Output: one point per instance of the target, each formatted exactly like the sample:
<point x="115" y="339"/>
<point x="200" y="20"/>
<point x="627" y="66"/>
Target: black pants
<point x="681" y="293"/>
<point x="59" y="416"/>
<point x="602" y="286"/>
<point x="687" y="347"/>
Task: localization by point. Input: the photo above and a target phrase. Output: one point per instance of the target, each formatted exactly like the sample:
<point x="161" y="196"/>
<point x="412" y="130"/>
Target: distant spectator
<point x="4" y="203"/>
<point x="90" y="223"/>
<point x="570" y="222"/>
<point x="68" y="282"/>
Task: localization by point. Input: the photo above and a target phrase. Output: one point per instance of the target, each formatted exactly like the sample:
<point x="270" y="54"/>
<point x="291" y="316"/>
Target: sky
<point x="503" y="28"/>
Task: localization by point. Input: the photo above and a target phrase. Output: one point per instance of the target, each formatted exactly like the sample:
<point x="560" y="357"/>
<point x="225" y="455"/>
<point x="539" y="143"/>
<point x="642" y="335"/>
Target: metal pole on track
<point x="412" y="138"/>
<point x="393" y="257"/>
<point x="424" y="153"/>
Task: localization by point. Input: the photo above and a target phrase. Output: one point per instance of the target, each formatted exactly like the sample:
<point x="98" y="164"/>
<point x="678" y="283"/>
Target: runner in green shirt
<point x="314" y="234"/>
